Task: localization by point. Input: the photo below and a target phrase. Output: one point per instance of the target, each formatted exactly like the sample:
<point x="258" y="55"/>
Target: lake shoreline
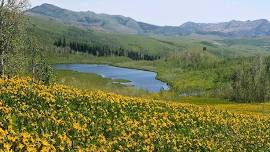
<point x="139" y="78"/>
<point x="115" y="65"/>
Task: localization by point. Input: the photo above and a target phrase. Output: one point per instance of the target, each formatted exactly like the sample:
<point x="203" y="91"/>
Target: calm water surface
<point x="138" y="78"/>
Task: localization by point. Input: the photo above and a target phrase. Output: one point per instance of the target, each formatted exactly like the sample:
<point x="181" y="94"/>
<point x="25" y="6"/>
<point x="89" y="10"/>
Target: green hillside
<point x="49" y="31"/>
<point x="188" y="64"/>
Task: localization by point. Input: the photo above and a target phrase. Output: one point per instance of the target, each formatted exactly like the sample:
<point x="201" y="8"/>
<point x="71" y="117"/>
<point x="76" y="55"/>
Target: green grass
<point x="222" y="104"/>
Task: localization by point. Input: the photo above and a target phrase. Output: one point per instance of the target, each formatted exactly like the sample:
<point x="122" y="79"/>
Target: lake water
<point x="138" y="78"/>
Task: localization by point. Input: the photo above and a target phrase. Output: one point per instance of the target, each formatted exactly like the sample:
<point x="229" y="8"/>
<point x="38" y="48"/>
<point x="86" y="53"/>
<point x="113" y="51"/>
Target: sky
<point x="171" y="12"/>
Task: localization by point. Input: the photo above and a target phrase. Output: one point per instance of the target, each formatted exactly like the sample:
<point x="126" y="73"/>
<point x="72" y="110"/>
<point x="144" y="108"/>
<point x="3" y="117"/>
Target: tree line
<point x="104" y="50"/>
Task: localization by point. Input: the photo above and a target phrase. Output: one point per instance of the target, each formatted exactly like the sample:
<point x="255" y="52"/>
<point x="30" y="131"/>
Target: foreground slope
<point x="57" y="118"/>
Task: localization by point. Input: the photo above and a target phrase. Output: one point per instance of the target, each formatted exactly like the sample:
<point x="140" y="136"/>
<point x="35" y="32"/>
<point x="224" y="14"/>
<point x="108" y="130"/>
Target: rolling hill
<point x="121" y="24"/>
<point x="51" y="23"/>
<point x="48" y="31"/>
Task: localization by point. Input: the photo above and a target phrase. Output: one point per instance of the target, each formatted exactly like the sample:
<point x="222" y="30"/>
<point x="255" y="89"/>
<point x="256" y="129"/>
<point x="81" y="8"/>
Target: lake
<point x="138" y="78"/>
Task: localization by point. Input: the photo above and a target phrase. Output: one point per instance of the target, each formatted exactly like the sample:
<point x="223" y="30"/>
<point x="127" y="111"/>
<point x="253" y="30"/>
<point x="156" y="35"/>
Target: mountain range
<point x="121" y="24"/>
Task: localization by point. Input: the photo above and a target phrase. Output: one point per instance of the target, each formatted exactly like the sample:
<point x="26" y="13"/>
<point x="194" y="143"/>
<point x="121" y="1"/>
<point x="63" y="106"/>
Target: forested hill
<point x="121" y="24"/>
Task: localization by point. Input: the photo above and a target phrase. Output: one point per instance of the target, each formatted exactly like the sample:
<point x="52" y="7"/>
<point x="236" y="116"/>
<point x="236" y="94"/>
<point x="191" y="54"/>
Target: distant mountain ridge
<point x="121" y="24"/>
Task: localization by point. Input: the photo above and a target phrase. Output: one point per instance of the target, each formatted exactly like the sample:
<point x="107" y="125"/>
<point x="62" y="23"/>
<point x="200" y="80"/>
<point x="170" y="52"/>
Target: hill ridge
<point x="122" y="24"/>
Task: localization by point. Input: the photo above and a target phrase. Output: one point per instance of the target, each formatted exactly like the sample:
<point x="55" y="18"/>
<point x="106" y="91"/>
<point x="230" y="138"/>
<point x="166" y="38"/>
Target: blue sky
<point x="172" y="12"/>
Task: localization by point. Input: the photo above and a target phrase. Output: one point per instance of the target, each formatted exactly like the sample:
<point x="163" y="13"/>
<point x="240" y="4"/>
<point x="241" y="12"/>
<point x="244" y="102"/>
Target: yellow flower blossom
<point x="35" y="117"/>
